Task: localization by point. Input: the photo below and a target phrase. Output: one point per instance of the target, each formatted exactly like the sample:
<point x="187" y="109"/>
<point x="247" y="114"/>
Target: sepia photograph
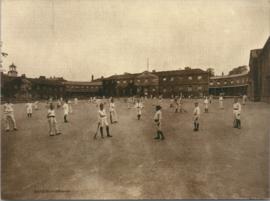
<point x="135" y="99"/>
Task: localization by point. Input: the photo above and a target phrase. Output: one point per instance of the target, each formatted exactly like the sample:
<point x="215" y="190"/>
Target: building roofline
<point x="229" y="76"/>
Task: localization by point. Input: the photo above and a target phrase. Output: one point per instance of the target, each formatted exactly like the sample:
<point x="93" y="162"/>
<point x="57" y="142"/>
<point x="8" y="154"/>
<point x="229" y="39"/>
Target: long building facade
<point x="229" y="85"/>
<point x="259" y="63"/>
<point x="190" y="82"/>
<point x="187" y="83"/>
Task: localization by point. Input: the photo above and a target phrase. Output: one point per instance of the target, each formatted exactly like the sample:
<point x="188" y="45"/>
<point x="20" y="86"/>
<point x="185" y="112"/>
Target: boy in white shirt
<point x="236" y="114"/>
<point x="113" y="114"/>
<point x="75" y="101"/>
<point x="66" y="111"/>
<point x="244" y="99"/>
<point x="29" y="109"/>
<point x="206" y="102"/>
<point x="139" y="107"/>
<point x="36" y="105"/>
<point x="102" y="121"/>
<point x="9" y="116"/>
<point x="52" y="121"/>
<point x="196" y="113"/>
<point x="69" y="106"/>
<point x="221" y="102"/>
<point x="157" y="119"/>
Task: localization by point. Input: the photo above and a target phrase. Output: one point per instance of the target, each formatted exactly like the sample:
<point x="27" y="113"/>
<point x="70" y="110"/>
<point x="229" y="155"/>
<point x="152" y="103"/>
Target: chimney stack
<point x="92" y="77"/>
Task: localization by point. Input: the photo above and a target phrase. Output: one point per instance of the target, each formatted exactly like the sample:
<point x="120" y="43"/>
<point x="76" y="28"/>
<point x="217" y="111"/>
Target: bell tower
<point x="12" y="71"/>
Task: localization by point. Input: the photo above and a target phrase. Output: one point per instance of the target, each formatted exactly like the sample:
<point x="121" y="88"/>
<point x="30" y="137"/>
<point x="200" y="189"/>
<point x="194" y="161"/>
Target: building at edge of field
<point x="229" y="85"/>
<point x="259" y="63"/>
<point x="188" y="82"/>
<point x="81" y="89"/>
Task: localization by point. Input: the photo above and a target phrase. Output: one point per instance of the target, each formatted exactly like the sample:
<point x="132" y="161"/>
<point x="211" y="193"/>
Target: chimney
<point x="222" y="74"/>
<point x="92" y="77"/>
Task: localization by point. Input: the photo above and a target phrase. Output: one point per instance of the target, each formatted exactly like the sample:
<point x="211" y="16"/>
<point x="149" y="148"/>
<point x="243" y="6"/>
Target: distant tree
<point x="187" y="68"/>
<point x="238" y="70"/>
<point x="211" y="71"/>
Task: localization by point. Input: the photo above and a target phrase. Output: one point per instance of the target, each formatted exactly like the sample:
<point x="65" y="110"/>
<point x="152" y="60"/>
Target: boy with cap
<point x="52" y="121"/>
<point x="196" y="113"/>
<point x="102" y="120"/>
<point x="9" y="116"/>
<point x="157" y="119"/>
<point x="236" y="114"/>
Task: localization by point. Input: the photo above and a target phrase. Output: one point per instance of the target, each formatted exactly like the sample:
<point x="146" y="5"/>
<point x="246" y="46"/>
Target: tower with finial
<point x="12" y="71"/>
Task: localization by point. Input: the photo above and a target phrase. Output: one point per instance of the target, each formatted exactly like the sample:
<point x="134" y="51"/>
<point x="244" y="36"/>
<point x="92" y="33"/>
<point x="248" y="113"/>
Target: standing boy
<point x="206" y="102"/>
<point x="113" y="114"/>
<point x="9" y="116"/>
<point x="236" y="114"/>
<point x="171" y="101"/>
<point x="66" y="110"/>
<point x="69" y="106"/>
<point x="244" y="100"/>
<point x="157" y="119"/>
<point x="36" y="105"/>
<point x="29" y="109"/>
<point x="52" y="121"/>
<point x="196" y="114"/>
<point x="75" y="101"/>
<point x="102" y="120"/>
<point x="129" y="102"/>
<point x="139" y="107"/>
<point x="221" y="102"/>
<point x="58" y="103"/>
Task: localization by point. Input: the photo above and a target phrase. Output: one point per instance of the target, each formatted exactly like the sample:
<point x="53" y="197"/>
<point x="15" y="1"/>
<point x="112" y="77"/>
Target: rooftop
<point x="228" y="76"/>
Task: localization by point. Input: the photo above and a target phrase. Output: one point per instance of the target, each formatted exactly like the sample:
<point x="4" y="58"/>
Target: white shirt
<point x="102" y="114"/>
<point x="206" y="101"/>
<point x="139" y="105"/>
<point x="158" y="115"/>
<point x="237" y="107"/>
<point x="51" y="113"/>
<point x="197" y="111"/>
<point x="112" y="107"/>
<point x="65" y="107"/>
<point x="29" y="107"/>
<point x="220" y="98"/>
<point x="8" y="108"/>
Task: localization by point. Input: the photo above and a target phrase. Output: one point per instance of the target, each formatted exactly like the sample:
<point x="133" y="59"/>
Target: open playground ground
<point x="219" y="161"/>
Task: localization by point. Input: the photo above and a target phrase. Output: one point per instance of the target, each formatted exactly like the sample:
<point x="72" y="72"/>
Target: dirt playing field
<point x="219" y="161"/>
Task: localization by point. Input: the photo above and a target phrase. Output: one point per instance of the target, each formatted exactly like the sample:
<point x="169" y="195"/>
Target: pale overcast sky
<point x="77" y="38"/>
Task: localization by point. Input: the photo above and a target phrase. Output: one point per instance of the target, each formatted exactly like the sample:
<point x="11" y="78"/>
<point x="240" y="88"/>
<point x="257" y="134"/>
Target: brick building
<point x="147" y="83"/>
<point x="83" y="89"/>
<point x="44" y="88"/>
<point x="259" y="63"/>
<point x="229" y="85"/>
<point x="188" y="82"/>
<point x="120" y="85"/>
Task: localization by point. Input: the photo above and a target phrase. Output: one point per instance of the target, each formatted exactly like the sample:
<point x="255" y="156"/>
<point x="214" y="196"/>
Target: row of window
<point x="239" y="81"/>
<point x="171" y="79"/>
<point x="164" y="79"/>
<point x="82" y="87"/>
<point x="189" y="88"/>
<point x="61" y="89"/>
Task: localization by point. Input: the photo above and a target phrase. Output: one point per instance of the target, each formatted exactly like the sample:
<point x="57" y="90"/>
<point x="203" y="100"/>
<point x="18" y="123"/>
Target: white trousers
<point x="9" y="119"/>
<point x="53" y="129"/>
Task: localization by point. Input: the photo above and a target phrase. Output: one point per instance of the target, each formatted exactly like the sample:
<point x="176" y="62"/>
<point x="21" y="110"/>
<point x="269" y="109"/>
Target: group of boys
<point x="102" y="116"/>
